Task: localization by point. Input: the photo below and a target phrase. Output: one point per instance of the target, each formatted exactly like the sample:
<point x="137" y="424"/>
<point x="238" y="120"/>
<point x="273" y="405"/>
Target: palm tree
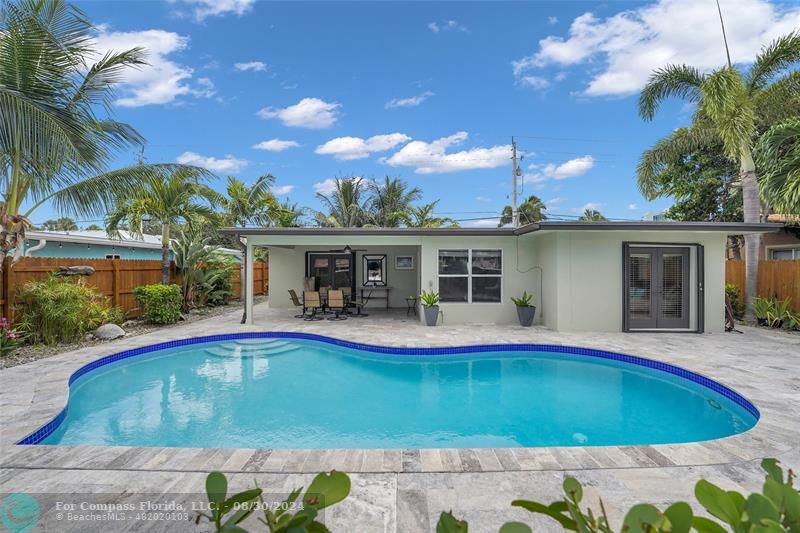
<point x="728" y="106"/>
<point x="60" y="224"/>
<point x="531" y="210"/>
<point x="390" y="201"/>
<point x="288" y="215"/>
<point x="53" y="145"/>
<point x="346" y="205"/>
<point x="592" y="215"/>
<point x="423" y="217"/>
<point x="244" y="204"/>
<point x="167" y="202"/>
<point x="779" y="157"/>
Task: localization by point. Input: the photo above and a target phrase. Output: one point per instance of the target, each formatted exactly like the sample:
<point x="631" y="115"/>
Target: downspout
<point x="42" y="244"/>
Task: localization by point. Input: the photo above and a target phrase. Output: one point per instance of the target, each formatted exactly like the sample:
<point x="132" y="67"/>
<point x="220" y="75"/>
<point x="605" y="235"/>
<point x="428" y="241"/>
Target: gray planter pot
<point x="526" y="314"/>
<point x="431" y="315"/>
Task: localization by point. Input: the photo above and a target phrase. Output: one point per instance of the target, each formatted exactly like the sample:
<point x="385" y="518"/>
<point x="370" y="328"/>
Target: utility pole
<point x="514" y="174"/>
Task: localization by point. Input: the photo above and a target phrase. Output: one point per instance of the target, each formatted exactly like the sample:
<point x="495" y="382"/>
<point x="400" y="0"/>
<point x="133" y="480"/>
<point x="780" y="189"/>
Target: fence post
<point x="115" y="282"/>
<point x="6" y="287"/>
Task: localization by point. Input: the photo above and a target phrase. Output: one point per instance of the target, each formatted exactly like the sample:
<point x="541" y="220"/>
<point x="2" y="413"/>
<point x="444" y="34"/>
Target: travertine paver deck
<point x="403" y="490"/>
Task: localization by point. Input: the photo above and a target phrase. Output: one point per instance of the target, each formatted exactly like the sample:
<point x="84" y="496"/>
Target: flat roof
<point x="727" y="227"/>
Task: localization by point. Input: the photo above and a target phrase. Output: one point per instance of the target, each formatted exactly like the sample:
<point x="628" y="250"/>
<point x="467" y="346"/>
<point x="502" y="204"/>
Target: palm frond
<point x="778" y="153"/>
<point x="667" y="151"/>
<point x="773" y="59"/>
<point x="681" y="81"/>
<point x="728" y="105"/>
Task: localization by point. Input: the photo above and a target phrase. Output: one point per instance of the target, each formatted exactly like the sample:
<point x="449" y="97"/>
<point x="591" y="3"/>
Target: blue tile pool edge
<point x="43" y="432"/>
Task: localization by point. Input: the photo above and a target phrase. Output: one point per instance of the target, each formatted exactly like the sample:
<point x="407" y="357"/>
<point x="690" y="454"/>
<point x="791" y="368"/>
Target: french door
<point x="332" y="270"/>
<point x="657" y="287"/>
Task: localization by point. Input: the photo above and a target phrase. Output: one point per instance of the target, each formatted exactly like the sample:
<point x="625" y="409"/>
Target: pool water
<point x="298" y="393"/>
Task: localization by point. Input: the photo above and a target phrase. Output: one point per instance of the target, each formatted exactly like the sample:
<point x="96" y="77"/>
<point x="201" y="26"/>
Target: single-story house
<point x="584" y="276"/>
<point x="97" y="244"/>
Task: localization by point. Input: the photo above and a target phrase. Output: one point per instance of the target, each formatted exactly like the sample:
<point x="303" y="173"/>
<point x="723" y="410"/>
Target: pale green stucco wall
<point x="583" y="277"/>
<point x="581" y="273"/>
<point x="519" y="274"/>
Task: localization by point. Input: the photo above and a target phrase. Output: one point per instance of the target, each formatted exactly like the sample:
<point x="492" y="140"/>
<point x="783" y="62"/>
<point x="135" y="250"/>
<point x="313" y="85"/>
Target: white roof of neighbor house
<point x="101" y="238"/>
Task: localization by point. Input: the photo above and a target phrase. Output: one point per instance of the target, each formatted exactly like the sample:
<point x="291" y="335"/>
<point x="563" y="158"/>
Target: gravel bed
<point x="28" y="352"/>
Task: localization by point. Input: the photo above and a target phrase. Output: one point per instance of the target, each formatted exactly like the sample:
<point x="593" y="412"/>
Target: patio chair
<point x="323" y="297"/>
<point x="337" y="305"/>
<point x="359" y="306"/>
<point x="297" y="303"/>
<point x="312" y="304"/>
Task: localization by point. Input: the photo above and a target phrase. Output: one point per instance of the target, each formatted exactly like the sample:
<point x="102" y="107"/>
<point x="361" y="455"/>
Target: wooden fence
<point x="115" y="278"/>
<point x="779" y="278"/>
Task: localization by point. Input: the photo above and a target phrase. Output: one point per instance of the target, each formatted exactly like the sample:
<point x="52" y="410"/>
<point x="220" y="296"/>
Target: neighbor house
<point x="585" y="276"/>
<point x="96" y="244"/>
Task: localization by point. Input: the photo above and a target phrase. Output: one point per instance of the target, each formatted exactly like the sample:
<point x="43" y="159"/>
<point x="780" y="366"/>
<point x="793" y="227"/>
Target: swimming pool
<point x="290" y="390"/>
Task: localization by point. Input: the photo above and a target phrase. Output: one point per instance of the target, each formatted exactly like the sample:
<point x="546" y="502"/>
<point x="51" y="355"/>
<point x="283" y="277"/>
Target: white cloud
<point x="325" y="187"/>
<point x="411" y="101"/>
<point x="483" y="199"/>
<point x="162" y="80"/>
<point x="632" y="43"/>
<point x="276" y="145"/>
<point x="281" y="190"/>
<point x="633" y="207"/>
<point x="536" y="82"/>
<point x="430" y="158"/>
<point x="446" y="25"/>
<point x="552" y="20"/>
<point x="311" y="113"/>
<point x="348" y="148"/>
<point x="256" y="66"/>
<point x="225" y="164"/>
<point x="202" y="9"/>
<point x="569" y="169"/>
<point x="554" y="201"/>
<point x="594" y="206"/>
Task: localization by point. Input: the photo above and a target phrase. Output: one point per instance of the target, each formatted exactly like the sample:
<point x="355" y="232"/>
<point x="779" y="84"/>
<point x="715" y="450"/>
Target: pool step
<point x="239" y="351"/>
<point x="257" y="342"/>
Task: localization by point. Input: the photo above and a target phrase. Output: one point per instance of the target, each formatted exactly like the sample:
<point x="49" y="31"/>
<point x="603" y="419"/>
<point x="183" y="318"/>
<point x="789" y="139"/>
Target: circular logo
<point x="19" y="512"/>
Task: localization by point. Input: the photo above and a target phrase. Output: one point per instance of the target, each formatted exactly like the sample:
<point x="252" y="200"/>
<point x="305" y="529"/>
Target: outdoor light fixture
<point x="347" y="249"/>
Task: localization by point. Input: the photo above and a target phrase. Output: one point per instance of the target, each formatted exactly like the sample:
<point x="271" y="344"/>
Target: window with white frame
<point x="788" y="253"/>
<point x="470" y="276"/>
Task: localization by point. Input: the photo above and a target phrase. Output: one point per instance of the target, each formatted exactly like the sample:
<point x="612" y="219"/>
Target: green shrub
<point x="215" y="279"/>
<point x="776" y="509"/>
<point x="734" y="295"/>
<point x="161" y="304"/>
<point x="61" y="309"/>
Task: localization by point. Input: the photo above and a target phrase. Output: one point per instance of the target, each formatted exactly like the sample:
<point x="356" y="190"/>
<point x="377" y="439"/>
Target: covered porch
<point x="380" y="273"/>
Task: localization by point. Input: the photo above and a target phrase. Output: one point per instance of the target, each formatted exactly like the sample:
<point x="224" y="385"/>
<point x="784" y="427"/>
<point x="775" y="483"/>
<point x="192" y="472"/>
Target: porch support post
<point x="248" y="291"/>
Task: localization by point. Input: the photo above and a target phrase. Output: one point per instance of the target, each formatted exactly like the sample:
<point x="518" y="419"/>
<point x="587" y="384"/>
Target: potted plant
<point x="430" y="306"/>
<point x="525" y="311"/>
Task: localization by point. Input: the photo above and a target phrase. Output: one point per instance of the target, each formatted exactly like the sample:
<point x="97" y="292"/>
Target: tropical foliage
<point x="592" y="215"/>
<point x="346" y="206"/>
<point x="390" y="201"/>
<point x="61" y="309"/>
<point x="531" y="210"/>
<point x="57" y="136"/>
<point x="733" y="108"/>
<point x="168" y="201"/>
<point x="423" y="216"/>
<point x="776" y="509"/>
<point x="160" y="304"/>
<point x="60" y="224"/>
<point x="779" y="158"/>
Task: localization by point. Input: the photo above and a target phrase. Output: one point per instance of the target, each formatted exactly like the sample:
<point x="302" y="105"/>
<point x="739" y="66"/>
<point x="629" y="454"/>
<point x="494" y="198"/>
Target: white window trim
<point x="469" y="275"/>
<point x="795" y="247"/>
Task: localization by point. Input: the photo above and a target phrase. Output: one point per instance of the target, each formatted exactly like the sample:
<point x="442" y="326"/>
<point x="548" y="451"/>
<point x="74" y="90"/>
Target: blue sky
<point x="429" y="92"/>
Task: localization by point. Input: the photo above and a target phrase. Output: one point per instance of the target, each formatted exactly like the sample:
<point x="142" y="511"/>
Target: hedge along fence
<point x="115" y="278"/>
<point x="779" y="278"/>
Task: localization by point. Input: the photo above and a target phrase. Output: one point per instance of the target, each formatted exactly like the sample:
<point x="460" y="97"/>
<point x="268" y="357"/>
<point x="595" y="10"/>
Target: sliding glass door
<point x="336" y="270"/>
